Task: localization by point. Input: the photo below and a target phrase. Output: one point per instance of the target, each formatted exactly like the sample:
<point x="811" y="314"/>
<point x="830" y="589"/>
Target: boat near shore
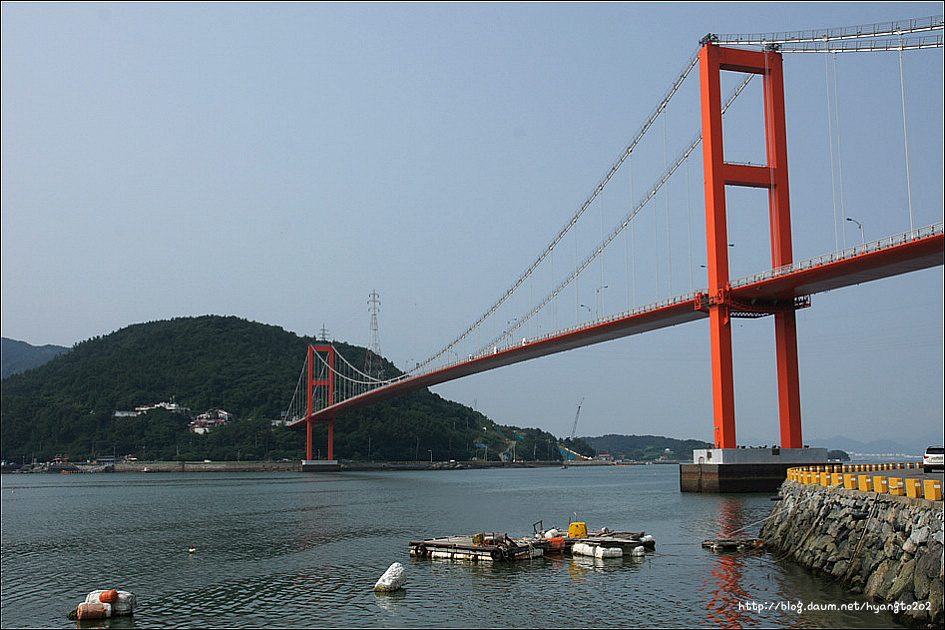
<point x="61" y="464"/>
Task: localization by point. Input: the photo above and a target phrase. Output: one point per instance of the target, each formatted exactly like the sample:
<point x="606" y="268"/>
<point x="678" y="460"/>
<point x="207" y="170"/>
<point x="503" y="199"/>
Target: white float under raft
<point x="595" y="551"/>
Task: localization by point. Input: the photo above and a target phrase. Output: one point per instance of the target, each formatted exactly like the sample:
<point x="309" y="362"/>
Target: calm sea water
<point x="304" y="551"/>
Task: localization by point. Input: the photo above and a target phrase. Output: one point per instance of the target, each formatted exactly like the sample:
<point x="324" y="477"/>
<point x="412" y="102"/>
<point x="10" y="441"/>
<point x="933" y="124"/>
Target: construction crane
<point x="576" y="416"/>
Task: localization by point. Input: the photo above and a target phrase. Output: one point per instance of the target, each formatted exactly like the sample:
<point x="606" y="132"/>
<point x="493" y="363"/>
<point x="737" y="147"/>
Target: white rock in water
<point x="393" y="579"/>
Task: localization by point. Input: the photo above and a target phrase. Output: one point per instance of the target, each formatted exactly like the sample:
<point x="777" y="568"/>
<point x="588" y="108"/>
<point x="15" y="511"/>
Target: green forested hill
<point x="246" y="368"/>
<point x="645" y="447"/>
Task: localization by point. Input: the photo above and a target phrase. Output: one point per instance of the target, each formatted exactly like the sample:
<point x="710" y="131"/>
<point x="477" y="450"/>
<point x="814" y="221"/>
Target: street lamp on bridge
<point x="859" y="225"/>
<point x="599" y="300"/>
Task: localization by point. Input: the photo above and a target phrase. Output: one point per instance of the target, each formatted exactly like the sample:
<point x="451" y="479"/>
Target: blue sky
<point x="278" y="162"/>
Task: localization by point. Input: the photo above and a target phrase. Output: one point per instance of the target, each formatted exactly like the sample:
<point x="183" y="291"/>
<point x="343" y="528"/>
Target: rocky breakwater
<point x="887" y="547"/>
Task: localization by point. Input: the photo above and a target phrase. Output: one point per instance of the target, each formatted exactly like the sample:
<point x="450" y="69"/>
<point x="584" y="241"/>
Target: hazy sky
<point x="278" y="162"/>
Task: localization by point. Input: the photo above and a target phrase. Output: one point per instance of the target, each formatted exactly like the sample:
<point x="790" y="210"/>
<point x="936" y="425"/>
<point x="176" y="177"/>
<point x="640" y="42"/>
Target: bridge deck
<point x="895" y="257"/>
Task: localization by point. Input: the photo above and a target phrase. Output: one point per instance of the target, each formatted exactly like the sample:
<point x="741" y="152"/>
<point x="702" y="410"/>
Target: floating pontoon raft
<point x="491" y="547"/>
<point x="500" y="547"/>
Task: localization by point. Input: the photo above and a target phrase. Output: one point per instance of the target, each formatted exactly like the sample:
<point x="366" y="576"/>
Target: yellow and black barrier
<point x="861" y="477"/>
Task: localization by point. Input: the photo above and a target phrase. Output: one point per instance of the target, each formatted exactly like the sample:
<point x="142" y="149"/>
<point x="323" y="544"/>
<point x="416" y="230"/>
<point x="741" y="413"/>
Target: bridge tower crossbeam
<point x="773" y="177"/>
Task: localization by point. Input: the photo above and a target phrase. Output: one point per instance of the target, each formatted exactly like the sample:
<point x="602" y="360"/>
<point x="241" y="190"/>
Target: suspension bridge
<point x="519" y="327"/>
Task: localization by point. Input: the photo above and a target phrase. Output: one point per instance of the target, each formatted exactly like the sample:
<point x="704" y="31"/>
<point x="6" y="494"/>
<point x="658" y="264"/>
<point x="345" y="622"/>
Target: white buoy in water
<point x="638" y="551"/>
<point x="392" y="580"/>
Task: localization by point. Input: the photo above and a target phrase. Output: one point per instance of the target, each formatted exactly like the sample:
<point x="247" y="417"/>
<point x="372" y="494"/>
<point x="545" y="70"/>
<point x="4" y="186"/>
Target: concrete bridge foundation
<point x="718" y="470"/>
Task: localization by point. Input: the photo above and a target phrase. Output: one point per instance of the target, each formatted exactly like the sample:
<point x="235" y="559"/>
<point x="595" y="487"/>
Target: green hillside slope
<point x="248" y="369"/>
<point x="645" y="447"/>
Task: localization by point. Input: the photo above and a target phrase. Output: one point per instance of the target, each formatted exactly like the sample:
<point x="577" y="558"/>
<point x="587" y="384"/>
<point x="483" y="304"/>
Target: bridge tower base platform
<point x="719" y="470"/>
<point x="320" y="465"/>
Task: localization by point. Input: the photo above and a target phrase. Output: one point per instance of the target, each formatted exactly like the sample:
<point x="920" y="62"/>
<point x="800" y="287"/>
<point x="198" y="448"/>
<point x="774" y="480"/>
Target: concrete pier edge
<point x="721" y="470"/>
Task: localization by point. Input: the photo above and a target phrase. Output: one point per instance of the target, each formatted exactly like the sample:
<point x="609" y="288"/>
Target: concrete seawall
<point x="887" y="547"/>
<point x="206" y="467"/>
<point x="295" y="466"/>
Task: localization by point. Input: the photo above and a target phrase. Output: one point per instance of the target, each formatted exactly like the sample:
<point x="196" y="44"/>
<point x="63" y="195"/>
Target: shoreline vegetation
<point x="296" y="466"/>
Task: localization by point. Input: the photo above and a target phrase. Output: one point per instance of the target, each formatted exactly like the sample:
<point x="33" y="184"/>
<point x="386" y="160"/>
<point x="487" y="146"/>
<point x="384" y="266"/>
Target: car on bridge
<point x="934" y="458"/>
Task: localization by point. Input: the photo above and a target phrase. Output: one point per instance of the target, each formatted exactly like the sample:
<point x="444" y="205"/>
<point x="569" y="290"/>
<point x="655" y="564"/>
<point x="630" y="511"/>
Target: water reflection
<point x="113" y="623"/>
<point x="724" y="583"/>
<point x="391" y="603"/>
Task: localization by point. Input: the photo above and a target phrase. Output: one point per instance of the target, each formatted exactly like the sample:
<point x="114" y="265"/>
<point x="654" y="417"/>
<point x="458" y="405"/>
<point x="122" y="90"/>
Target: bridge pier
<point x="320" y="465"/>
<point x="717" y="470"/>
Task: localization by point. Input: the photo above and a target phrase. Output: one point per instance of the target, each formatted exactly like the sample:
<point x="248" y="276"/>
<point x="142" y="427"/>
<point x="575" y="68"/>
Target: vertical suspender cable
<point x="669" y="242"/>
<point x="689" y="214"/>
<point x="633" y="245"/>
<point x="554" y="306"/>
<point x="577" y="286"/>
<point x="531" y="299"/>
<point x="833" y="166"/>
<point x="626" y="252"/>
<point x="600" y="290"/>
<point x="836" y="110"/>
<point x="656" y="251"/>
<point x="905" y="133"/>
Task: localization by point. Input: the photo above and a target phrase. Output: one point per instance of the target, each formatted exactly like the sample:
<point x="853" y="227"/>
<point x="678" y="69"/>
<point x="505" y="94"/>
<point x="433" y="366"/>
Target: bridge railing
<point x="652" y="306"/>
<point x="850" y="252"/>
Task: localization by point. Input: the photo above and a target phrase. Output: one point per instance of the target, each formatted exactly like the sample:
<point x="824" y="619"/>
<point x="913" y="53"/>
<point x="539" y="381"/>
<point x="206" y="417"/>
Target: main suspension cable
<point x="693" y="60"/>
<point x="626" y="221"/>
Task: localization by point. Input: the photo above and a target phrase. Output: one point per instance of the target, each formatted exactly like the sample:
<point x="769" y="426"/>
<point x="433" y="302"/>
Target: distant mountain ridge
<point x="913" y="447"/>
<point x="904" y="444"/>
<point x="19" y="356"/>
